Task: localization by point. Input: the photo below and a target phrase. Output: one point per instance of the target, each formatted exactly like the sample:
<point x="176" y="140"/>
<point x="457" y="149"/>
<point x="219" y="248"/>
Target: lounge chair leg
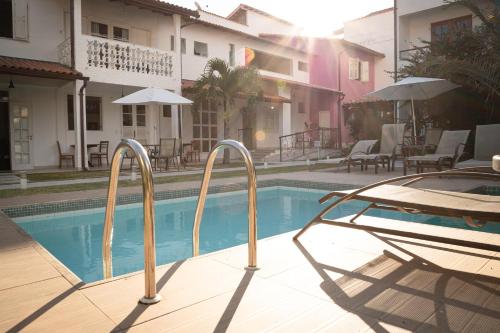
<point x="307" y="226"/>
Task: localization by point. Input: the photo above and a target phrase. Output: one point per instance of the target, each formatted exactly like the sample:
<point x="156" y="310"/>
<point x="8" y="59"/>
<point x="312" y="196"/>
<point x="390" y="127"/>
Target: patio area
<point x="333" y="280"/>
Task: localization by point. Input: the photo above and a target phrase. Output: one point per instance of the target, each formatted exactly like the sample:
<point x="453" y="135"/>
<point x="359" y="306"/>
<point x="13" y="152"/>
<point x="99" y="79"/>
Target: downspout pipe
<point x="72" y="31"/>
<point x="83" y="126"/>
<point x="339" y="98"/>
<point x="395" y="13"/>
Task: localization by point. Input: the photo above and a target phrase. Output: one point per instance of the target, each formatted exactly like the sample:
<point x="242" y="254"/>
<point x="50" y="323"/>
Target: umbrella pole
<point x="414" y="122"/>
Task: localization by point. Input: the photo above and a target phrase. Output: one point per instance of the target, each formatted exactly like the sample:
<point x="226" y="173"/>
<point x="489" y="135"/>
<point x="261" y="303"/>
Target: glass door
<point x="21" y="137"/>
<point x="134" y="122"/>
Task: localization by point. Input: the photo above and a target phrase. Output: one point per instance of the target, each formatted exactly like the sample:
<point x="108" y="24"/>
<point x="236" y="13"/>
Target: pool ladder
<point x="252" y="201"/>
<point x="150" y="294"/>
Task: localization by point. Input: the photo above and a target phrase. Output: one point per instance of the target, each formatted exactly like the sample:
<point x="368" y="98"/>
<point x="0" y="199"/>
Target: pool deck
<point x="332" y="280"/>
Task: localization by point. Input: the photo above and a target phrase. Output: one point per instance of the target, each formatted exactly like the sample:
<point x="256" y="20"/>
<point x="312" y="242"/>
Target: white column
<point x="76" y="123"/>
<point x="177" y="72"/>
<point x="80" y="54"/>
<point x="84" y="121"/>
<point x="287" y="119"/>
<point x="286" y="126"/>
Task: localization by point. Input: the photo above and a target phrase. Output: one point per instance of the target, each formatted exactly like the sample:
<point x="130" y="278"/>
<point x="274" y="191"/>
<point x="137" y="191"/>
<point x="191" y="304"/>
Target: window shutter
<point x="353" y="69"/>
<point x="365" y="71"/>
<point x="20" y="21"/>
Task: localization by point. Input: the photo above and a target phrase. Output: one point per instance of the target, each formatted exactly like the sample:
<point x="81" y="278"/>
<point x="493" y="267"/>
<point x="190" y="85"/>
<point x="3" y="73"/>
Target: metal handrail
<point x="252" y="199"/>
<point x="150" y="295"/>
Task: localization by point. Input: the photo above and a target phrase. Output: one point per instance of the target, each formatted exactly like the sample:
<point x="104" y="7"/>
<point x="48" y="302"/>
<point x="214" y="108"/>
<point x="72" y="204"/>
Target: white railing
<point x="64" y="52"/>
<point x="120" y="56"/>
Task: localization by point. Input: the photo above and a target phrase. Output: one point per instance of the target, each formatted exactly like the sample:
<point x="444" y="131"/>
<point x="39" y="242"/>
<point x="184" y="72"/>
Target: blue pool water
<point x="75" y="238"/>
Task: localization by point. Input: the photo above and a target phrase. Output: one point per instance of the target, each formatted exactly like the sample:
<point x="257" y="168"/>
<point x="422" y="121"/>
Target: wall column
<point x="286" y="125"/>
<point x="177" y="59"/>
<point x="77" y="84"/>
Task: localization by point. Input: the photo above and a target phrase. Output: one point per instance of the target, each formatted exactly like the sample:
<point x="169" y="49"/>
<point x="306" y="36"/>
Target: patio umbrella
<point x="154" y="96"/>
<point x="414" y="88"/>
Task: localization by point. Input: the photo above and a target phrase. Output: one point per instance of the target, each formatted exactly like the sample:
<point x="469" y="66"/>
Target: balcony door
<point x="134" y="122"/>
<point x="21" y="137"/>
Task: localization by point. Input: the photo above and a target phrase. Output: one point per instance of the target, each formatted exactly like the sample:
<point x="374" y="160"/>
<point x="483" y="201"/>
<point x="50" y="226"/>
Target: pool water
<point x="75" y="238"/>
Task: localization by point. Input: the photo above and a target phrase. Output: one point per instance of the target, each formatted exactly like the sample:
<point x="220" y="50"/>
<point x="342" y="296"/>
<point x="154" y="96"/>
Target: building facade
<point x="63" y="63"/>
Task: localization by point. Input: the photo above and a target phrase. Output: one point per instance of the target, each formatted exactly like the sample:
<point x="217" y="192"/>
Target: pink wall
<point x="323" y="71"/>
<point x="323" y="64"/>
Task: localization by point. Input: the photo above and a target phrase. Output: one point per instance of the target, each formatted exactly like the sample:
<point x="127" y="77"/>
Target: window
<point x="303" y="66"/>
<point x="6" y="28"/>
<point x="167" y="111"/>
<point x="127" y="115"/>
<point x="450" y="28"/>
<point x="92" y="112"/>
<point x="183" y="45"/>
<point x="120" y="34"/>
<point x="270" y="62"/>
<point x="301" y="107"/>
<point x="99" y="29"/>
<point x="231" y="54"/>
<point x="364" y="71"/>
<point x="172" y="43"/>
<point x="205" y="126"/>
<point x="271" y="119"/>
<point x="200" y="49"/>
<point x="14" y="19"/>
<point x="353" y="69"/>
<point x="140" y="115"/>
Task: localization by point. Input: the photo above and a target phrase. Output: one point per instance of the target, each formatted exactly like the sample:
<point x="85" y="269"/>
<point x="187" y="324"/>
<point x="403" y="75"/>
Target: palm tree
<point x="222" y="83"/>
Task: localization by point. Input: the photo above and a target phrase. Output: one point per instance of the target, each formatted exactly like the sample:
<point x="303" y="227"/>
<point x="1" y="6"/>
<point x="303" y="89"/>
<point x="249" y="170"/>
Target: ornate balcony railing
<point x="64" y="52"/>
<point x="111" y="54"/>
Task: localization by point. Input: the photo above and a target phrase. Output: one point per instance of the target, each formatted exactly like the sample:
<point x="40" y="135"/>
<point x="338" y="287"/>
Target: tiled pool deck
<point x="333" y="280"/>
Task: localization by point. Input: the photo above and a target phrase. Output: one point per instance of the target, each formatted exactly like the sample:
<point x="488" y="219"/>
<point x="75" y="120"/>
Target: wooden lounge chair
<point x="475" y="209"/>
<point x="450" y="148"/>
<point x="101" y="153"/>
<point x="392" y="141"/>
<point x="362" y="147"/>
<point x="486" y="145"/>
<point x="65" y="156"/>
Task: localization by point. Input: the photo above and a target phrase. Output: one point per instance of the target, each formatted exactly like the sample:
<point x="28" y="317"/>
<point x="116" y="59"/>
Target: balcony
<point x="125" y="57"/>
<point x="111" y="61"/>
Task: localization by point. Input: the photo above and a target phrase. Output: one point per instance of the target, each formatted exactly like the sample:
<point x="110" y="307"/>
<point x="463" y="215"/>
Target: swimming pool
<point x="75" y="238"/>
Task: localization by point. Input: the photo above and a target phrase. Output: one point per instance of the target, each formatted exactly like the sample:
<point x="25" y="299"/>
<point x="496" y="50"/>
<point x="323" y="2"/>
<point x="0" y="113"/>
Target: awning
<point x="37" y="68"/>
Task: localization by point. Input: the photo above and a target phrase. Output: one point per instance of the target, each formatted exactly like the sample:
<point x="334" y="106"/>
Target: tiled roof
<point x="39" y="68"/>
<point x="162" y="7"/>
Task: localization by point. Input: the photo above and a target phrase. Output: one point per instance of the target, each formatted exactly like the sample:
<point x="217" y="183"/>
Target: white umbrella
<point x="414" y="88"/>
<point x="154" y="96"/>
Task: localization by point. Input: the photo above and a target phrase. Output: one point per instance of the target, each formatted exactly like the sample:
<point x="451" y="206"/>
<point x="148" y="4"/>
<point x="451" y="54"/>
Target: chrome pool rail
<point x="150" y="295"/>
<point x="252" y="199"/>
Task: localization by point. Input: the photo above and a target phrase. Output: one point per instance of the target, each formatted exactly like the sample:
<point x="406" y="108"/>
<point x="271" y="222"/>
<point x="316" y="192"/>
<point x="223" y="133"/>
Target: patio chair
<point x="193" y="152"/>
<point x="486" y="145"/>
<point x="166" y="153"/>
<point x="65" y="156"/>
<point x="450" y="148"/>
<point x="391" y="143"/>
<point x="475" y="209"/>
<point x="101" y="153"/>
<point x="362" y="147"/>
<point x="426" y="144"/>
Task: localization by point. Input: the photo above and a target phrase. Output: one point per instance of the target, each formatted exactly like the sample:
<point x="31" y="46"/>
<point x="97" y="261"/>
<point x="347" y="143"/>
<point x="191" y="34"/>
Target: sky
<point x="317" y="17"/>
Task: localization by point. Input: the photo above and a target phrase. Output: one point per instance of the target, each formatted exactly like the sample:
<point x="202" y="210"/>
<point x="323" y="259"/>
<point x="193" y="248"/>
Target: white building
<point x="118" y="47"/>
<point x="237" y="40"/>
<point x="416" y="21"/>
<point x="63" y="62"/>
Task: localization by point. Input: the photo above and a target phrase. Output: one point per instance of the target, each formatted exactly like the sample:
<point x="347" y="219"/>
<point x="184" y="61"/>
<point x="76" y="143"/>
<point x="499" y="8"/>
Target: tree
<point x="470" y="58"/>
<point x="224" y="84"/>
